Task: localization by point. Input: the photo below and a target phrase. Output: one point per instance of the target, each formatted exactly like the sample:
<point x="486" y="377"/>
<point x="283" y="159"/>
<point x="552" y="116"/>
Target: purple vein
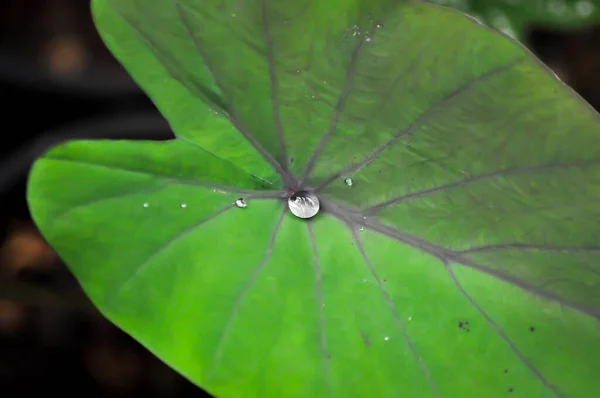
<point x="170" y="243"/>
<point x="425" y="117"/>
<point x="501" y="333"/>
<point x="338" y="108"/>
<point x="201" y="92"/>
<point x="319" y="297"/>
<point x="482" y="177"/>
<point x="274" y="87"/>
<point x="448" y="255"/>
<point x="378" y="109"/>
<point x="394" y="311"/>
<point x="167" y="179"/>
<point x="354" y="218"/>
<point x="522" y="246"/>
<point x="236" y="308"/>
<point x="232" y="118"/>
<point x="111" y="197"/>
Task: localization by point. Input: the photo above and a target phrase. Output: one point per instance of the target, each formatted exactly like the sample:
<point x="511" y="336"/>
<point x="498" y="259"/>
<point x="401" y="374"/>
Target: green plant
<point x="455" y="253"/>
<point x="514" y="16"/>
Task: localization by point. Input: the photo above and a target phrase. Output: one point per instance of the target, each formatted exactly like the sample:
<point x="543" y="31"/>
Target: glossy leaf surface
<point x="456" y="250"/>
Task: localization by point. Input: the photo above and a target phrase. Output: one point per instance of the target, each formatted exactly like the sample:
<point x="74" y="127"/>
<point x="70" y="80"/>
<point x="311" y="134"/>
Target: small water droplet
<point x="234" y="15"/>
<point x="241" y="203"/>
<point x="184" y="205"/>
<point x="348" y="181"/>
<point x="146" y="204"/>
<point x="304" y="204"/>
<point x="379" y="25"/>
<point x="386" y="338"/>
<point x="361" y="228"/>
<point x="297" y="70"/>
<point x="368" y="39"/>
<point x="410" y="318"/>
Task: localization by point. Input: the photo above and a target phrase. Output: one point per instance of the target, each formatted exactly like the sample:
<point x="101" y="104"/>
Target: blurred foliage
<point x="514" y="17"/>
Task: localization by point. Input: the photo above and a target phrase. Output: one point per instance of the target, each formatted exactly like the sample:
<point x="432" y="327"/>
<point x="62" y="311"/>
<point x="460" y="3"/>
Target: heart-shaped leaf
<point x="455" y="253"/>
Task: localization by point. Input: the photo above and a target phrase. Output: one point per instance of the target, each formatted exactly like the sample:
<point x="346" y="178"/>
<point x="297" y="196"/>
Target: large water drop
<point x="241" y="203"/>
<point x="304" y="204"/>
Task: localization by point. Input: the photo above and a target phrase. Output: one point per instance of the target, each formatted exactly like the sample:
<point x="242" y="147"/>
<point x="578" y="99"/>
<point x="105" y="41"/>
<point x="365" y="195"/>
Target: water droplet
<point x="184" y="205"/>
<point x="241" y="203"/>
<point x="361" y="228"/>
<point x="297" y="70"/>
<point x="234" y="15"/>
<point x="379" y="25"/>
<point x="410" y="318"/>
<point x="146" y="204"/>
<point x="348" y="181"/>
<point x="386" y="338"/>
<point x="368" y="39"/>
<point x="304" y="204"/>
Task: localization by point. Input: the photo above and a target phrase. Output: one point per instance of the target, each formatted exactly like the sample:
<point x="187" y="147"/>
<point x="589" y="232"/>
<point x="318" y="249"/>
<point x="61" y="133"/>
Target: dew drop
<point x="146" y="204"/>
<point x="241" y="203"/>
<point x="183" y="205"/>
<point x="348" y="181"/>
<point x="379" y="25"/>
<point x="386" y="338"/>
<point x="304" y="204"/>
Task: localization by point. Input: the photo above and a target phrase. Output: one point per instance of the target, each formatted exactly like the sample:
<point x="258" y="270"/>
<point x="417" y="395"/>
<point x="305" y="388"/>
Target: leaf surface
<point x="456" y="250"/>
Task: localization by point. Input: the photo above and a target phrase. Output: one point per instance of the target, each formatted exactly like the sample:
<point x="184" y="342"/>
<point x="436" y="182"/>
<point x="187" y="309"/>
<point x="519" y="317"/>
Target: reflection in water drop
<point x="241" y="203"/>
<point x="146" y="204"/>
<point x="386" y="338"/>
<point x="184" y="205"/>
<point x="304" y="204"/>
<point x="348" y="181"/>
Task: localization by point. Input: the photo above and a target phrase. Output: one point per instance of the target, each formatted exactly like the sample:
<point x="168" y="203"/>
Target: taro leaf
<point x="514" y="16"/>
<point x="456" y="252"/>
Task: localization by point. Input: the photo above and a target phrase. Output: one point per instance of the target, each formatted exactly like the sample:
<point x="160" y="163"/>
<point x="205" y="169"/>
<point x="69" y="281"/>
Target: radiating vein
<point x="174" y="180"/>
<point x="523" y="246"/>
<point x="319" y="297"/>
<point x="193" y="143"/>
<point x="446" y="255"/>
<point x="170" y="243"/>
<point x="199" y="91"/>
<point x="501" y="333"/>
<point x="338" y="108"/>
<point x="236" y="308"/>
<point x="120" y="195"/>
<point x="394" y="311"/>
<point x="232" y="118"/>
<point x="419" y="121"/>
<point x="274" y="87"/>
<point x="495" y="174"/>
<point x="378" y="109"/>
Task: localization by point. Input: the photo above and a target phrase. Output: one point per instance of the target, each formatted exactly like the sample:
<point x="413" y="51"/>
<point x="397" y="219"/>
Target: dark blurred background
<point x="58" y="82"/>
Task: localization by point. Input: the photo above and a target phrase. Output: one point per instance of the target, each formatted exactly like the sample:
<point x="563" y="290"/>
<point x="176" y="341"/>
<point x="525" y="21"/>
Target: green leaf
<point x="456" y="250"/>
<point x="513" y="17"/>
